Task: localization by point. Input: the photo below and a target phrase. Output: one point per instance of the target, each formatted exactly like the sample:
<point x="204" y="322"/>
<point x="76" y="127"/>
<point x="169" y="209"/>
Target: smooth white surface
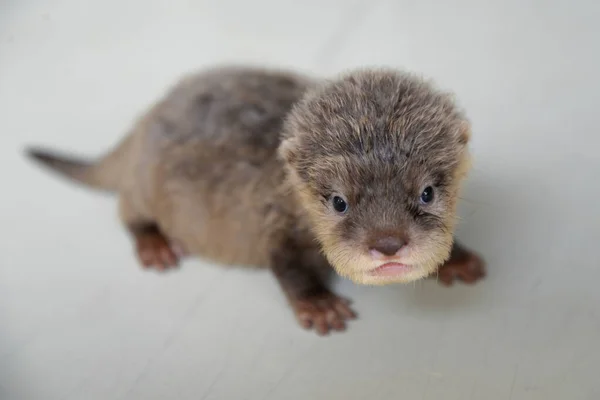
<point x="79" y="319"/>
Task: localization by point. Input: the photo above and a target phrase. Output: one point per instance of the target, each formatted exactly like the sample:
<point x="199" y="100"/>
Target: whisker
<point x="480" y="203"/>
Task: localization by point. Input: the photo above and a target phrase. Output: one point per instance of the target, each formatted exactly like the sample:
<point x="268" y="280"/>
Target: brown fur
<point x="378" y="138"/>
<point x="239" y="165"/>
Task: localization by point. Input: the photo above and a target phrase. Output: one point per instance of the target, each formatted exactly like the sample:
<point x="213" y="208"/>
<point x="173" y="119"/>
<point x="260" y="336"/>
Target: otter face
<point x="377" y="159"/>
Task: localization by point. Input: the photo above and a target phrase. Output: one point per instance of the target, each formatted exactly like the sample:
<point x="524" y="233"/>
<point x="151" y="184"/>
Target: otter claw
<point x="466" y="266"/>
<point x="323" y="312"/>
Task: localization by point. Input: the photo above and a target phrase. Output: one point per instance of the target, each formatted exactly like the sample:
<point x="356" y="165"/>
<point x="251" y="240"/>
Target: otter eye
<point x="339" y="204"/>
<point x="427" y="195"/>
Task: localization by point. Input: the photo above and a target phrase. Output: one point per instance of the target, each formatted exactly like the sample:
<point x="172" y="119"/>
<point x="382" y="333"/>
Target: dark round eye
<point x="339" y="204"/>
<point x="427" y="195"/>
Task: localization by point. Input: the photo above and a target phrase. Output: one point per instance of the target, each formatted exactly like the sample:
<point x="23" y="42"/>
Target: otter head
<point x="377" y="159"/>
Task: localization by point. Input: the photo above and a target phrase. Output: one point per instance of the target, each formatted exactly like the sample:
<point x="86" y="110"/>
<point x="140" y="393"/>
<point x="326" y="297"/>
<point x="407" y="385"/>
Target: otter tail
<point x="104" y="174"/>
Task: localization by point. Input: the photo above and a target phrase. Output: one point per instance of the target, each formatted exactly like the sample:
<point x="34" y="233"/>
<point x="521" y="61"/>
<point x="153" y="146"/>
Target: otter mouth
<point x="391" y="269"/>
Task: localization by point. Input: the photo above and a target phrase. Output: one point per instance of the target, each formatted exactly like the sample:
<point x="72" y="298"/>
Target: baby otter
<point x="264" y="167"/>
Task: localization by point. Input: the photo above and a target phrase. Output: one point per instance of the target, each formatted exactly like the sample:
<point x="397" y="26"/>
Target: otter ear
<point x="287" y="150"/>
<point x="464" y="132"/>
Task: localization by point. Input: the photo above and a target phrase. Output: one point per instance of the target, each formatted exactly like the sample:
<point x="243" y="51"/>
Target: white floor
<point x="79" y="320"/>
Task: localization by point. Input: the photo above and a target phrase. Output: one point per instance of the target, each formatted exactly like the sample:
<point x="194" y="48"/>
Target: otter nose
<point x="387" y="246"/>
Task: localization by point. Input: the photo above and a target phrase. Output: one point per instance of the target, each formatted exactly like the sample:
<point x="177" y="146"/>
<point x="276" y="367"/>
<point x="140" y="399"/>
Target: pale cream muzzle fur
<point x="357" y="264"/>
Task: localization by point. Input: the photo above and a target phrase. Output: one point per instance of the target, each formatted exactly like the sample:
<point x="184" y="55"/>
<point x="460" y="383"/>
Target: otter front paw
<point x="323" y="311"/>
<point x="463" y="265"/>
<point x="154" y="250"/>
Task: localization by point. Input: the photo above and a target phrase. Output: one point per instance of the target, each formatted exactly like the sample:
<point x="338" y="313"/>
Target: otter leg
<point x="463" y="265"/>
<point x="153" y="248"/>
<point x="314" y="305"/>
